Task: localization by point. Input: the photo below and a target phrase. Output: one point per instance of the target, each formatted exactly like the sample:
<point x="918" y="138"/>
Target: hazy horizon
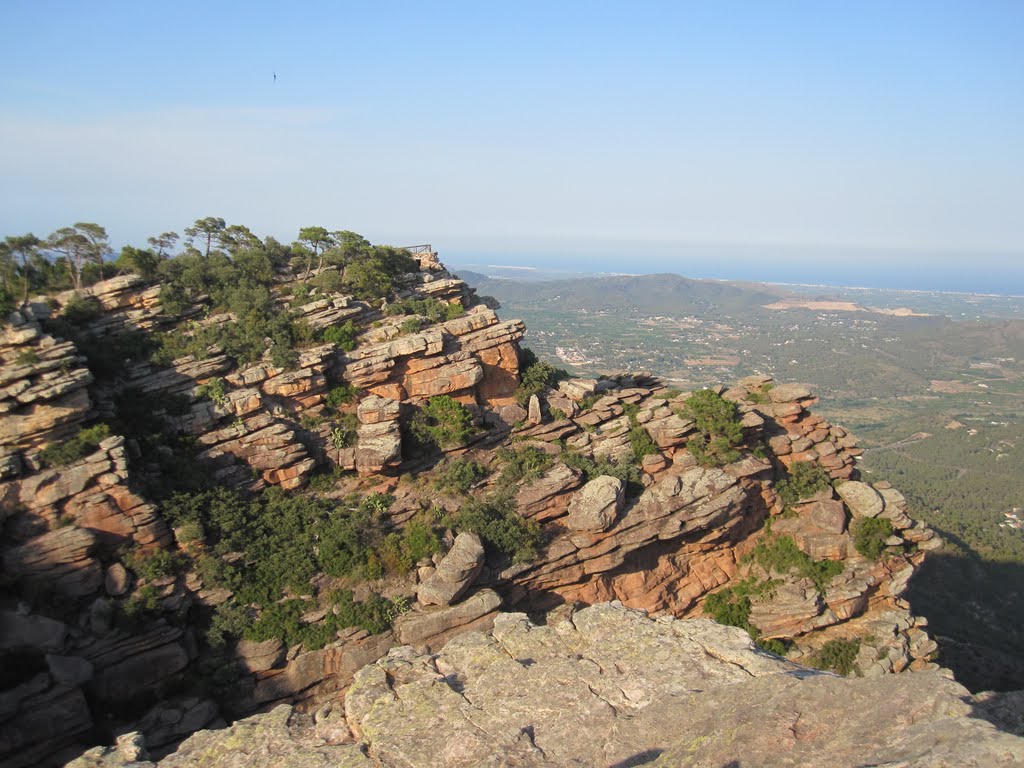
<point x="990" y="273"/>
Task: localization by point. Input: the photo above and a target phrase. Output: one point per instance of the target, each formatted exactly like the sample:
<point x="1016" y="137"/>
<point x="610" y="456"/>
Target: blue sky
<point x="526" y="128"/>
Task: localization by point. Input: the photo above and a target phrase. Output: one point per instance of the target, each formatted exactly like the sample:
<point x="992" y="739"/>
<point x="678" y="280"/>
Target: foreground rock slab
<point x="611" y="687"/>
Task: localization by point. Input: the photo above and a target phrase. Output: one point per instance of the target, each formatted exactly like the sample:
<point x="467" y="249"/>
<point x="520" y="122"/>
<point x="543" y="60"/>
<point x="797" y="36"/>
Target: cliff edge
<point x="607" y="686"/>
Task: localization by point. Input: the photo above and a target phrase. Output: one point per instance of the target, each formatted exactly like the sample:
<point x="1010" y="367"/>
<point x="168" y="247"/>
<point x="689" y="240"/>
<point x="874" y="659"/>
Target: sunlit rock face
<point x="608" y="686"/>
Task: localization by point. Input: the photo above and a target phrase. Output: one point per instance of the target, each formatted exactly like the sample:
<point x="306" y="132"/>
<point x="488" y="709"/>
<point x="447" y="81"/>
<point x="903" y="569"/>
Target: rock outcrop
<point x="456" y="571"/>
<point x="472" y="358"/>
<point x="623" y="509"/>
<point x="689" y="531"/>
<point x="608" y="686"/>
<point x="43" y="391"/>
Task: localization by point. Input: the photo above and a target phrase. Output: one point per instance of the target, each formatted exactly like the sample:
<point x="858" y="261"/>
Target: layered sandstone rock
<point x="473" y="357"/>
<point x="43" y="395"/>
<point x="687" y="533"/>
<point x="610" y="686"/>
<point x="682" y="533"/>
<point x="455" y="573"/>
<point x="379" y="441"/>
<point x="91" y="494"/>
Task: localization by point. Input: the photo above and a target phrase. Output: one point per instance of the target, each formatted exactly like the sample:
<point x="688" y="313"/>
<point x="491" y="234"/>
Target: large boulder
<point x="456" y="571"/>
<point x="595" y="506"/>
<point x="379" y="446"/>
<point x="433" y="627"/>
<point x="861" y="498"/>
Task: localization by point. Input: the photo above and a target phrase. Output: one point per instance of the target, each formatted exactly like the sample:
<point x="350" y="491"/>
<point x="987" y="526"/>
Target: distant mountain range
<point x="655" y="294"/>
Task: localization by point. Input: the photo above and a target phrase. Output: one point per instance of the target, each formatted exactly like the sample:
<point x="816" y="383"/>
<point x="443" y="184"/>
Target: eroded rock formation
<point x="661" y="542"/>
<point x="608" y="686"/>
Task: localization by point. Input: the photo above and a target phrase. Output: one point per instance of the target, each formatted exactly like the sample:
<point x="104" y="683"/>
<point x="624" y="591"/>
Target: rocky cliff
<point x="612" y="478"/>
<point x="607" y="686"/>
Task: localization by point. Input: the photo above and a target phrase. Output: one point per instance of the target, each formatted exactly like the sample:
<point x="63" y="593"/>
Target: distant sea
<point x="960" y="272"/>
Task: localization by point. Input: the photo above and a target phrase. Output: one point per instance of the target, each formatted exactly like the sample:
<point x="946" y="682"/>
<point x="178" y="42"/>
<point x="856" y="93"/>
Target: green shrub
<point x="803" y="480"/>
<point x="399" y="552"/>
<point x="345" y="434"/>
<point x="78" y="447"/>
<point x="343" y="394"/>
<point x="718" y="421"/>
<point x="496" y="521"/>
<point x="216" y="572"/>
<point x="256" y="318"/>
<point x="526" y="463"/>
<point x="459" y="475"/>
<point x="80" y="310"/>
<point x="640" y="442"/>
<point x="368" y="279"/>
<point x="28" y="357"/>
<point x="9" y="301"/>
<point x="839" y="656"/>
<point x="775" y="645"/>
<point x="189" y="532"/>
<point x="216" y="390"/>
<point x="628" y="472"/>
<point x="347" y="541"/>
<point x="108" y="355"/>
<point x="412" y="325"/>
<point x="283" y="620"/>
<point x="142" y="604"/>
<point x="344" y="335"/>
<point x="325" y="480"/>
<point x="328" y="281"/>
<point x="536" y="377"/>
<point x="443" y="422"/>
<point x="782" y="555"/>
<point x="260" y="547"/>
<point x="731" y="606"/>
<point x="869" y="535"/>
<point x="310" y="421"/>
<point x="454" y="310"/>
<point x="375" y="614"/>
<point x="156" y="564"/>
<point x="228" y="622"/>
<point x="432" y="309"/>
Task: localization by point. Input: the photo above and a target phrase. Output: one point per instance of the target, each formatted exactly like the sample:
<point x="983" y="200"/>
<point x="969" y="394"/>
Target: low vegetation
<point x="640" y="441"/>
<point x="523" y="463"/>
<point x="272" y="545"/>
<point x="732" y="606"/>
<point x="838" y="655"/>
<point x="781" y="555"/>
<point x="156" y="563"/>
<point x="803" y="480"/>
<point x="718" y="421"/>
<point x="869" y="536"/>
<point x="433" y="310"/>
<point x="342" y="335"/>
<point x="284" y="620"/>
<point x="628" y="472"/>
<point x="459" y="475"/>
<point x="441" y="423"/>
<point x="78" y="447"/>
<point x="535" y="376"/>
<point x="497" y="522"/>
